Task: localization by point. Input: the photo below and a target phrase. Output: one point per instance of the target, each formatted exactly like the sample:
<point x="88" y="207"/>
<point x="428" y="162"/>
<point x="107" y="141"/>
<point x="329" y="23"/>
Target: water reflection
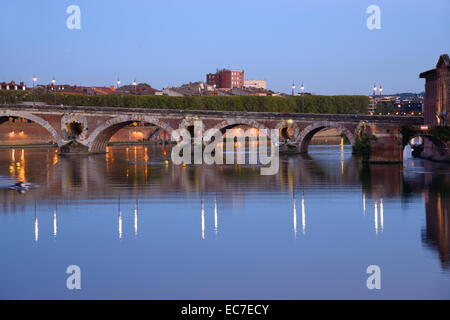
<point x="136" y="219"/>
<point x="329" y="184"/>
<point x="55" y="224"/>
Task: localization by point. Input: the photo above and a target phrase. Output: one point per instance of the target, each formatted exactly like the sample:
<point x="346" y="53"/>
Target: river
<point x="139" y="227"/>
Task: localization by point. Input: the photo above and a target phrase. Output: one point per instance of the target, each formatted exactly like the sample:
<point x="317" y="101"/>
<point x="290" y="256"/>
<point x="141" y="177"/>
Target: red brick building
<point x="12" y="86"/>
<point x="226" y="79"/>
<point x="437" y="91"/>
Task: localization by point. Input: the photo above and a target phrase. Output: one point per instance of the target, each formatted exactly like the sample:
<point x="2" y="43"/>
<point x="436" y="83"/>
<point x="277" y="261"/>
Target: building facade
<point x="257" y="84"/>
<point x="12" y="86"/>
<point x="437" y="91"/>
<point x="226" y="79"/>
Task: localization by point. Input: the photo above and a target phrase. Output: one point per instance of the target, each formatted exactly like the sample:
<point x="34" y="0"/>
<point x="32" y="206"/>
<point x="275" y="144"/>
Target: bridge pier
<point x="385" y="143"/>
<point x="74" y="147"/>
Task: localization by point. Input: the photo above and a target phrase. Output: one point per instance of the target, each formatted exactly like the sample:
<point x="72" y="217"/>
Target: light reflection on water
<point x="140" y="227"/>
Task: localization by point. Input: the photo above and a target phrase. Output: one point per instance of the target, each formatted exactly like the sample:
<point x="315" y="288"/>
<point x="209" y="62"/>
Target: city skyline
<point x="172" y="43"/>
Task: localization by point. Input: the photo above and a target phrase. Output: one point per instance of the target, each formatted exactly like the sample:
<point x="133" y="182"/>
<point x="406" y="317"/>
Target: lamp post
<point x="303" y="99"/>
<point x="53" y="88"/>
<point x="381" y="91"/>
<point x="135" y="92"/>
<point x="118" y="83"/>
<point x="215" y="98"/>
<point x="34" y="94"/>
<point x="374" y="101"/>
<point x="200" y="91"/>
<point x="293" y="92"/>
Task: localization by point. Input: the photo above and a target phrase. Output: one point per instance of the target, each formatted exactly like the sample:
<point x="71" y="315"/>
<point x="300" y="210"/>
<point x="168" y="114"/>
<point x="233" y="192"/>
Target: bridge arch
<point x="230" y="124"/>
<point x="305" y="136"/>
<point x="99" y="138"/>
<point x="6" y="114"/>
<point x="439" y="145"/>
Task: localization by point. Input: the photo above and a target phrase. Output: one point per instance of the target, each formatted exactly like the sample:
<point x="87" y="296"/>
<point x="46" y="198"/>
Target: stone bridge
<point x="88" y="129"/>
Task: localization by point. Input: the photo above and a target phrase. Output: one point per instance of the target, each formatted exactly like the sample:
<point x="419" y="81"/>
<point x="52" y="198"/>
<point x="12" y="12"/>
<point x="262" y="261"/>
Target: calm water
<point x="136" y="227"/>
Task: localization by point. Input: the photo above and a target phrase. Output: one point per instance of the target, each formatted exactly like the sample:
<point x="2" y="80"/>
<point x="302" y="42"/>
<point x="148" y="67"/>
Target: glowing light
<point x="136" y="221"/>
<point x="364" y="203"/>
<point x="290" y="121"/>
<point x="295" y="221"/>
<point x="203" y="221"/>
<point x="120" y="225"/>
<point x="36" y="229"/>
<point x="376" y="217"/>
<point x="381" y="215"/>
<point x="12" y="134"/>
<point x="138" y="134"/>
<point x="216" y="224"/>
<point x="55" y="224"/>
<point x="303" y="215"/>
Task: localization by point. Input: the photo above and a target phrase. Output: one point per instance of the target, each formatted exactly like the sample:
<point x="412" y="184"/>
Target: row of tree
<point x="351" y="104"/>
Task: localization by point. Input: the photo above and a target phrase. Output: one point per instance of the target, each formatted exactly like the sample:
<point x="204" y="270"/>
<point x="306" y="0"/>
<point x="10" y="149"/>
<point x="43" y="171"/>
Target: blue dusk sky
<point x="325" y="44"/>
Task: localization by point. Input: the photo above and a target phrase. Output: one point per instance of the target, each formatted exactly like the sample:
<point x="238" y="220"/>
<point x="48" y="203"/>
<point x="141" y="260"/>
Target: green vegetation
<point x="441" y="133"/>
<point x="308" y="103"/>
<point x="362" y="146"/>
<point x="384" y="108"/>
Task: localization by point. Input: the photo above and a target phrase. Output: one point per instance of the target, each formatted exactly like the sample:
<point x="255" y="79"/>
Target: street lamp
<point x="34" y="94"/>
<point x="118" y="83"/>
<point x="200" y="91"/>
<point x="374" y="100"/>
<point x="215" y="98"/>
<point x="381" y="91"/>
<point x="135" y="92"/>
<point x="303" y="102"/>
<point x="293" y="91"/>
<point x="53" y="88"/>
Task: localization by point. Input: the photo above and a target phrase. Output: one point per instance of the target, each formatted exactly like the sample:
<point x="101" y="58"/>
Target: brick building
<point x="226" y="79"/>
<point x="437" y="91"/>
<point x="12" y="86"/>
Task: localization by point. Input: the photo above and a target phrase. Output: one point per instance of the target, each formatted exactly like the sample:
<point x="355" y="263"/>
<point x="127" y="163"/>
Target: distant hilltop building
<point x="226" y="79"/>
<point x="142" y="89"/>
<point x="437" y="91"/>
<point x="257" y="84"/>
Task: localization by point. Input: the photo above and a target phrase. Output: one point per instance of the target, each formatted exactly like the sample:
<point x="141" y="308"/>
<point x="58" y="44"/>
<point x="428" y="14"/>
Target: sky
<point x="324" y="44"/>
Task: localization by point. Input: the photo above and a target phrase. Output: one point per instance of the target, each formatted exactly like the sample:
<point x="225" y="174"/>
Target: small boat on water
<point x="22" y="186"/>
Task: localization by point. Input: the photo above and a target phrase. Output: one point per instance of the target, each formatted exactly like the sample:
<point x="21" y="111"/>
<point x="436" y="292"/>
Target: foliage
<point x="441" y="133"/>
<point x="384" y="108"/>
<point x="362" y="146"/>
<point x="306" y="103"/>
